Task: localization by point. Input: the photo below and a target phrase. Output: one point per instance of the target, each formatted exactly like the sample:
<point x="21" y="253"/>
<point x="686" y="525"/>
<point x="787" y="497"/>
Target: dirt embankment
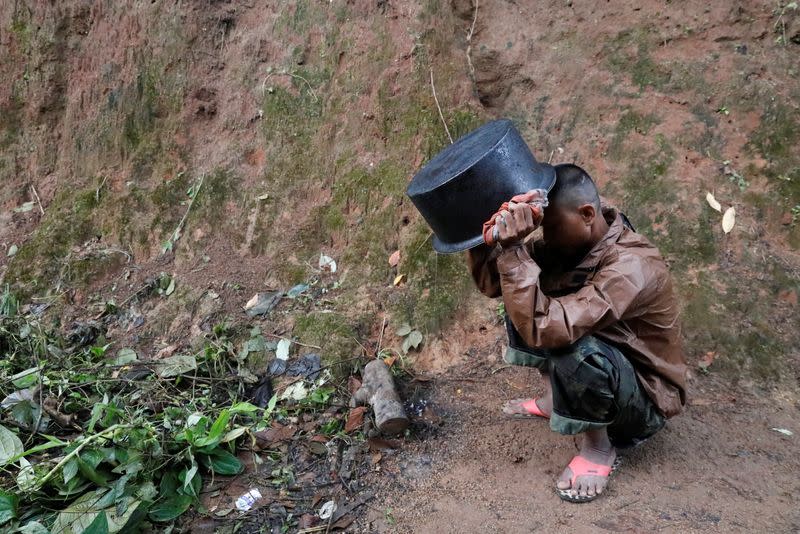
<point x="304" y="121"/>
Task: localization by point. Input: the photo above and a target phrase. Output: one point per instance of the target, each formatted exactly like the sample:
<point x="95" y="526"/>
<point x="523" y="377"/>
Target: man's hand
<point x="516" y="219"/>
<point x="515" y="224"/>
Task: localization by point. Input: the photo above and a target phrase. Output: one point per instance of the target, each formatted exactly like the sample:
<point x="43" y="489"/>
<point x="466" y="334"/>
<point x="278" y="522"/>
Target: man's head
<point x="573" y="222"/>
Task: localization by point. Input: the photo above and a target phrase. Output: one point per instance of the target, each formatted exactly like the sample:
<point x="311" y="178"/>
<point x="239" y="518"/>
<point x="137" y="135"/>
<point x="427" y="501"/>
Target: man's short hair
<point x="573" y="188"/>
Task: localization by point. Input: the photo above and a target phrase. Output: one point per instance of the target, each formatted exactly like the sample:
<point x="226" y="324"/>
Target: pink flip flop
<point x="580" y="466"/>
<point x="531" y="408"/>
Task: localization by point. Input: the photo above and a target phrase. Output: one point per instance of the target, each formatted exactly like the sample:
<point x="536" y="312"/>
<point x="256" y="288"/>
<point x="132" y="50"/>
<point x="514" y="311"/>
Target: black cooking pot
<point x="464" y="184"/>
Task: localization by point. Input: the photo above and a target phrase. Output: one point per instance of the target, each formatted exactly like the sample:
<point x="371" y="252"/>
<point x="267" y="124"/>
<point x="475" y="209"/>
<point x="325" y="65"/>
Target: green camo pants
<point x="594" y="386"/>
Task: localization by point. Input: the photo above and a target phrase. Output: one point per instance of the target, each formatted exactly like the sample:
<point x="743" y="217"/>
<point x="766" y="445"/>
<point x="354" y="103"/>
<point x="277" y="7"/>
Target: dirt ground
<point x="717" y="467"/>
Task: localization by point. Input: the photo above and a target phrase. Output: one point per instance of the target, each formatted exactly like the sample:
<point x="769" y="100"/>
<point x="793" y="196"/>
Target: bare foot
<point x="596" y="449"/>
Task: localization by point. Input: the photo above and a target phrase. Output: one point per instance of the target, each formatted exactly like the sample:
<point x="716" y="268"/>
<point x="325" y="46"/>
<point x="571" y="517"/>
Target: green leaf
<point x="99" y="525"/>
<point x="234" y="434"/>
<point x="70" y="469"/>
<point x="26" y="478"/>
<point x="33" y="527"/>
<point x="403" y="330"/>
<point x="10" y="445"/>
<point x="412" y="340"/>
<point x="222" y="462"/>
<point x="26" y="378"/>
<point x="271" y="405"/>
<point x="170" y="288"/>
<point x="124" y="356"/>
<point x="8" y="506"/>
<point x="27" y="206"/>
<point x="77" y="517"/>
<point x="176" y="365"/>
<point x="171" y="508"/>
<point x="169" y="484"/>
<point x="219" y="426"/>
<point x="90" y="472"/>
<point x="134" y="512"/>
<point x="243" y="407"/>
<point x="188" y="476"/>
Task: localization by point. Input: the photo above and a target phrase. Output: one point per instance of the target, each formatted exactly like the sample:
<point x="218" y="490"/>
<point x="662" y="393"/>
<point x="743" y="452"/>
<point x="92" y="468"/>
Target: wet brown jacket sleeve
<point x="482" y="264"/>
<point x="550" y="322"/>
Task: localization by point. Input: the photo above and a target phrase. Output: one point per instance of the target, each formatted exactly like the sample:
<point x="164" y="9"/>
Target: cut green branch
<point x="167" y="247"/>
<point x="110" y="430"/>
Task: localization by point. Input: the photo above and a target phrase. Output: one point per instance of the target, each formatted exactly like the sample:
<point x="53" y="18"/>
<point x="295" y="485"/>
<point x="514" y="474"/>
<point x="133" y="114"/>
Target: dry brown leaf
<point x="713" y="202"/>
<point x="390" y="361"/>
<point x="706" y="361"/>
<point x="275" y="434"/>
<point x="353" y="384"/>
<point x="728" y="220"/>
<point x="382" y="444"/>
<point x="399" y="279"/>
<point x="394" y="259"/>
<point x="355" y="419"/>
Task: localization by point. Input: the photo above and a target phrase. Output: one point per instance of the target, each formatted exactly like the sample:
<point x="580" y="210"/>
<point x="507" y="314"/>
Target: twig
<point x="110" y="430"/>
<point x="99" y="187"/>
<point x="38" y="200"/>
<point x="469" y="43"/>
<point x="176" y="234"/>
<point x="312" y="529"/>
<point x="380" y="339"/>
<point x="293" y="75"/>
<point x="433" y="88"/>
<point x="551" y="156"/>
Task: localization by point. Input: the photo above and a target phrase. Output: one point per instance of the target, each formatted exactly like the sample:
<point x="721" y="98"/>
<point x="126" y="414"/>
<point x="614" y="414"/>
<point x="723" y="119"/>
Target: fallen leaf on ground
<point x="713" y="202"/>
<point x="317" y="448"/>
<point x="404" y="330"/>
<point x="355" y="419"/>
<point x="788" y="296"/>
<point x="784" y="431"/>
<point x="382" y="444"/>
<point x="394" y="259"/>
<point x="275" y="434"/>
<point x="390" y="360"/>
<point x="728" y="220"/>
<point x="353" y="384"/>
<point x="176" y="365"/>
<point x="399" y="279"/>
<point x="343" y="523"/>
<point x="706" y="361"/>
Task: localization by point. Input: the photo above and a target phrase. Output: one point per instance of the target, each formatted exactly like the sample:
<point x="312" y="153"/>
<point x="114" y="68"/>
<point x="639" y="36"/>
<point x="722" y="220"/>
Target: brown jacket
<point x="620" y="292"/>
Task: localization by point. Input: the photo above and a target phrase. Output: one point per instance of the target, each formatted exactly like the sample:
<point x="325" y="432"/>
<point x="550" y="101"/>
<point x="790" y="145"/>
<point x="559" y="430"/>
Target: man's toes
<point x="564" y="482"/>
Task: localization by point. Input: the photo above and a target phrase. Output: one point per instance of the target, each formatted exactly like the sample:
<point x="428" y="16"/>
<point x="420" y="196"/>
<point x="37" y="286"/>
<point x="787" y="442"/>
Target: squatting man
<point x="590" y="305"/>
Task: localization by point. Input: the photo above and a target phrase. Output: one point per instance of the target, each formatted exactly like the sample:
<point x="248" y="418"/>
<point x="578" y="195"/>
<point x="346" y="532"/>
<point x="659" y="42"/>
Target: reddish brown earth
<point x="717" y="467"/>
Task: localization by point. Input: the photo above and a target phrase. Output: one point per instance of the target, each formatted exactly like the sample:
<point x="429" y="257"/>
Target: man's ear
<point x="587" y="213"/>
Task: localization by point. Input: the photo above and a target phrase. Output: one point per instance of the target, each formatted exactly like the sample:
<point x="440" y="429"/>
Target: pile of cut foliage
<point x="97" y="440"/>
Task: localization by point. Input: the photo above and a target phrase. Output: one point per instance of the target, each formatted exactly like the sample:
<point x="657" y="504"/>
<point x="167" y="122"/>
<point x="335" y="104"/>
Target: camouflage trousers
<point x="594" y="386"/>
